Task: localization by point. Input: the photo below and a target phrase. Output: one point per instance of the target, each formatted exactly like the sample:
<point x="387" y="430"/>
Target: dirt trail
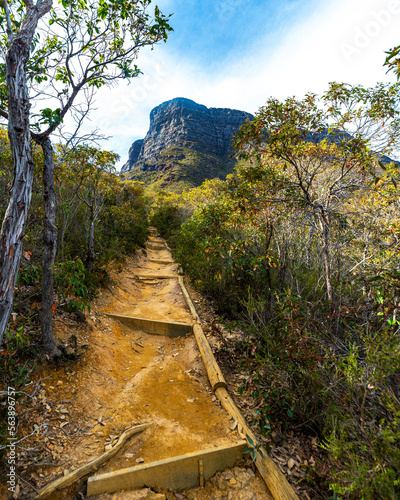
<point x="165" y="381"/>
<point x="126" y="377"/>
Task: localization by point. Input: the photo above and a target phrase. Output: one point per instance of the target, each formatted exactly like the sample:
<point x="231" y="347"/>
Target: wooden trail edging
<point x="213" y="371"/>
<point x="270" y="472"/>
<point x="189" y="300"/>
<point x="177" y="473"/>
<point x="77" y="474"/>
<point x="152" y="326"/>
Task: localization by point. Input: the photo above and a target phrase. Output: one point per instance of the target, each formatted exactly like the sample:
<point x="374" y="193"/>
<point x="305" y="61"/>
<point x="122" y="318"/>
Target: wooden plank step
<point x="154" y="246"/>
<point x="160" y="261"/>
<point x="169" y="328"/>
<point x="154" y="276"/>
<point x="177" y="473"/>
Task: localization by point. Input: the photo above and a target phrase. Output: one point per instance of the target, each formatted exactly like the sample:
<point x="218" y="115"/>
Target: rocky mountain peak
<point x="183" y="123"/>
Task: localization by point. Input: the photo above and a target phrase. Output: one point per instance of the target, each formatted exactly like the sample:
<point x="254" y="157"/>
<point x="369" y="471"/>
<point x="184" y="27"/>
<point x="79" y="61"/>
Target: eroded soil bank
<point x="122" y="378"/>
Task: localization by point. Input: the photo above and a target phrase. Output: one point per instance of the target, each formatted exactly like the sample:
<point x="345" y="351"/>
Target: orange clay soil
<point x="126" y="377"/>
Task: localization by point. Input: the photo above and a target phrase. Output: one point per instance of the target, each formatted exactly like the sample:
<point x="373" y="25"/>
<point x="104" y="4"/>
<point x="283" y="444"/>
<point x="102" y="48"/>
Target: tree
<point x="93" y="176"/>
<point x="325" y="148"/>
<point x="66" y="197"/>
<point x="392" y="61"/>
<point x="81" y="46"/>
<point x="18" y="51"/>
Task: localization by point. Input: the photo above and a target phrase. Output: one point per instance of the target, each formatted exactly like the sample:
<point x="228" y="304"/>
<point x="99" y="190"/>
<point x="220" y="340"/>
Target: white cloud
<point x="342" y="41"/>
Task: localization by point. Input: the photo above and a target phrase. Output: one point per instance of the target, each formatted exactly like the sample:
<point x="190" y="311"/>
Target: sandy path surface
<point x="162" y="379"/>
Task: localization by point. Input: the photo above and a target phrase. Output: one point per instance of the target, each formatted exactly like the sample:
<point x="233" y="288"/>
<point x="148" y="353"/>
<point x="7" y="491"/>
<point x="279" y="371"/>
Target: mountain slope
<point x="186" y="144"/>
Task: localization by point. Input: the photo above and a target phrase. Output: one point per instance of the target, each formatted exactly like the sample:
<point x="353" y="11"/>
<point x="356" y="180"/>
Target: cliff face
<point x="133" y="155"/>
<point x="182" y="123"/>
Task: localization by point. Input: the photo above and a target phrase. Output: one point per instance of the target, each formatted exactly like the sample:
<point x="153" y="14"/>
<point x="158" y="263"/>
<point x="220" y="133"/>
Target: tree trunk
<point x="61" y="255"/>
<point x="325" y="240"/>
<point x="50" y="247"/>
<point x="268" y="237"/>
<point x="91" y="255"/>
<point x="65" y="223"/>
<point x="13" y="228"/>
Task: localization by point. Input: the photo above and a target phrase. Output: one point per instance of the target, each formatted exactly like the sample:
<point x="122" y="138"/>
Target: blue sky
<point x="237" y="53"/>
<point x="210" y="33"/>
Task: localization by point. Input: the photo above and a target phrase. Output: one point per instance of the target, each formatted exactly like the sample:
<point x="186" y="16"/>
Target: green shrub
<point x="29" y="274"/>
<point x="167" y="219"/>
<point x="69" y="279"/>
<point x="280" y="355"/>
<point x="121" y="230"/>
